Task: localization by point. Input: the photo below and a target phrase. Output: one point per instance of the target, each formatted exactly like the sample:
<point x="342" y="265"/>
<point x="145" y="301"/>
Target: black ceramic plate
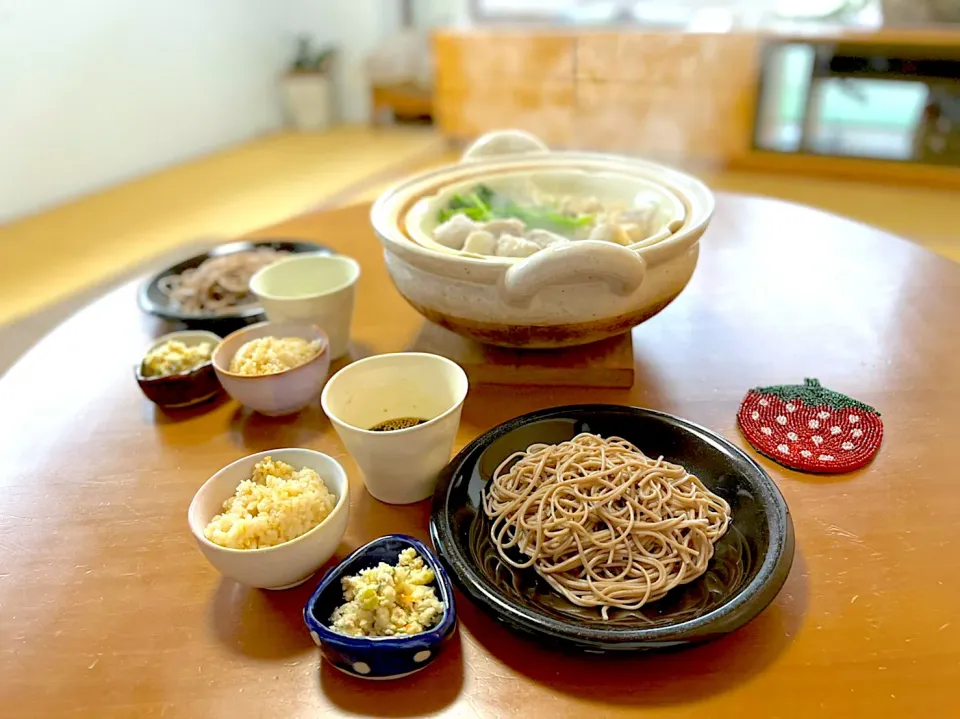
<point x="749" y="567"/>
<point x="154" y="302"/>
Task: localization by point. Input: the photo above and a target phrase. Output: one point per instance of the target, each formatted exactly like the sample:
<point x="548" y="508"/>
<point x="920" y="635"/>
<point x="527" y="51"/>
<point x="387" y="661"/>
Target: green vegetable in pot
<point x="483" y="204"/>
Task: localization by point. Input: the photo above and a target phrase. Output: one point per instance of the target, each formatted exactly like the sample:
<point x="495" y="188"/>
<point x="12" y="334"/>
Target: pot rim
<point x="413" y="216"/>
<point x="389" y="225"/>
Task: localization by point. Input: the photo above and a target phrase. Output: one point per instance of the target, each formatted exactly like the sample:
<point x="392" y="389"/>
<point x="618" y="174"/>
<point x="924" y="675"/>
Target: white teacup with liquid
<point x="398" y="416"/>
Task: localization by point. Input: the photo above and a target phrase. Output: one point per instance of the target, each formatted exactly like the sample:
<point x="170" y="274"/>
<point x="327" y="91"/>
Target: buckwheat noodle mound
<point x="604" y="525"/>
<point x="218" y="284"/>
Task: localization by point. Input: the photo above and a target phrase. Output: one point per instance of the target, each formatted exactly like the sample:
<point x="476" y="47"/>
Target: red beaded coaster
<point x="810" y="428"/>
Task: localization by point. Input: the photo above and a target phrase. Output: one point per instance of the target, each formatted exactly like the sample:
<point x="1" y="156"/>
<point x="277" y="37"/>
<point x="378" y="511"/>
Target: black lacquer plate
<point x="749" y="567"/>
<point x="154" y="302"/>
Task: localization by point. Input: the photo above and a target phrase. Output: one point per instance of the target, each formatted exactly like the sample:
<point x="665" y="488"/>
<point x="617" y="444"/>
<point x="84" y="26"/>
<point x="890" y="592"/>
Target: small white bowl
<point x="284" y="565"/>
<point x="281" y="393"/>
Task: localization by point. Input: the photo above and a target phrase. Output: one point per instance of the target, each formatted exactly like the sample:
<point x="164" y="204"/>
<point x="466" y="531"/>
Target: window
<point x="520" y="9"/>
<point x="674" y="13"/>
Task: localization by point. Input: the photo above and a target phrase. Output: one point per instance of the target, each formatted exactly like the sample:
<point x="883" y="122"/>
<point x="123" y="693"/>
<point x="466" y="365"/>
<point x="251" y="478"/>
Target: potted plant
<point x="306" y="87"/>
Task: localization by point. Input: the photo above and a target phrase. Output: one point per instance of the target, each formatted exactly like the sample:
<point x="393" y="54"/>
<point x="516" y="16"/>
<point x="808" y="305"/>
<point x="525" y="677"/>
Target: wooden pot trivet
<point x="608" y="363"/>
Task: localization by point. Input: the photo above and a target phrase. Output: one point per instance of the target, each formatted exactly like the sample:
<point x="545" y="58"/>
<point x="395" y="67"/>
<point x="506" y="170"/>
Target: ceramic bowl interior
<point x="379" y="657"/>
<point x="376" y="389"/>
<point x="230" y="345"/>
<point x="750" y="564"/>
<point x="282" y="565"/>
<point x="153" y="301"/>
<point x="304" y="277"/>
<point x="186" y="389"/>
<point x="612" y="189"/>
<point x="397" y="213"/>
<point x="281" y="392"/>
<point x="190" y="338"/>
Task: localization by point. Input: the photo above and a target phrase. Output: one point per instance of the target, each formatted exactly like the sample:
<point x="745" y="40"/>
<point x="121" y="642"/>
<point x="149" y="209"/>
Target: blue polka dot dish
<point x="379" y="657"/>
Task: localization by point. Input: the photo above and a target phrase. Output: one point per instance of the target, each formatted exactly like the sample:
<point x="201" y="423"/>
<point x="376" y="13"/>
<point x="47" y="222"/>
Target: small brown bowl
<point x="179" y="391"/>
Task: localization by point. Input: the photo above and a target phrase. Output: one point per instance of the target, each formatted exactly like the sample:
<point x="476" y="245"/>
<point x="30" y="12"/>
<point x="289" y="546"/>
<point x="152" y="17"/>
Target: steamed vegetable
<point x="483" y="204"/>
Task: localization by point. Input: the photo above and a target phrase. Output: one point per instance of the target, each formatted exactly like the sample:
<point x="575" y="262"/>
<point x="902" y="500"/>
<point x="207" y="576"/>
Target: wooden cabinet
<point x="667" y="59"/>
<point x="662" y="121"/>
<point x="656" y="94"/>
<point x="488" y="58"/>
<point x="545" y="109"/>
<point x="493" y="80"/>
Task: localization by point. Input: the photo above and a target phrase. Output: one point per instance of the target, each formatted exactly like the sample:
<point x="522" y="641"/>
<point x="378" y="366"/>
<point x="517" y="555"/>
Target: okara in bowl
<point x="749" y="565"/>
<point x="284" y="565"/>
<point x="282" y="392"/>
<point x="179" y="391"/>
<point x="566" y="294"/>
<point x="379" y="657"/>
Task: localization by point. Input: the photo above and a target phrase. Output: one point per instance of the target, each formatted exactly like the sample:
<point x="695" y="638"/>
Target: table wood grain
<point x="107" y="609"/>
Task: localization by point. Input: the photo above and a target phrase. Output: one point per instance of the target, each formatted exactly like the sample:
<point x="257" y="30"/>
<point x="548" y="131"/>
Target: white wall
<point x="93" y="92"/>
<point x="355" y="28"/>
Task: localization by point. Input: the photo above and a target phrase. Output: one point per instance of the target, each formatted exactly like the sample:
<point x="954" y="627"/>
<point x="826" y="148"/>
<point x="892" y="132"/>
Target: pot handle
<point x="503" y="142"/>
<point x="621" y="269"/>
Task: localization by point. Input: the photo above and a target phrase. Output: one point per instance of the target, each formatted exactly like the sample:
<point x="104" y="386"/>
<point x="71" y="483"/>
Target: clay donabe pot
<point x="566" y="294"/>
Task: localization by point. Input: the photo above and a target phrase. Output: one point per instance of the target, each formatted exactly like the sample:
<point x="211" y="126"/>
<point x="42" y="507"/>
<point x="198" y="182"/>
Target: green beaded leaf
<point x="813" y="395"/>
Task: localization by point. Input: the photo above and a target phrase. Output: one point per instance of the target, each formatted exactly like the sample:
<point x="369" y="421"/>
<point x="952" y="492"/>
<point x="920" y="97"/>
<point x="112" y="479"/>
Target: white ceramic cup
<point x="400" y="466"/>
<point x="314" y="288"/>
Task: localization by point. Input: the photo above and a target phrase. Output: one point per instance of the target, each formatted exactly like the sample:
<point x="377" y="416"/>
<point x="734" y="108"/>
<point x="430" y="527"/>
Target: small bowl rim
<point x="169" y="336"/>
<point x="423" y="425"/>
<point x="342" y="501"/>
<point x="431" y="636"/>
<point x="324" y="349"/>
<point x="256" y="277"/>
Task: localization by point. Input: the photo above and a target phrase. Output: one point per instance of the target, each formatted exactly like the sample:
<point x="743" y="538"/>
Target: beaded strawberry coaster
<point x="810" y="428"/>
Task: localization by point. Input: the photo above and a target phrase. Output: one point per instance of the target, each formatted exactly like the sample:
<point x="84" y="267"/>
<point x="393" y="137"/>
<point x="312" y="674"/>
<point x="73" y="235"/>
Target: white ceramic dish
<point x="284" y="565"/>
<point x="274" y="394"/>
<point x="319" y="289"/>
<point x="400" y="466"/>
<point x="567" y="294"/>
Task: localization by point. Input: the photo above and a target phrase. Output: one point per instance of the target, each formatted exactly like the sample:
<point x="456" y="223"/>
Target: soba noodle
<point x="602" y="523"/>
<point x="219" y="284"/>
<point x="729" y="568"/>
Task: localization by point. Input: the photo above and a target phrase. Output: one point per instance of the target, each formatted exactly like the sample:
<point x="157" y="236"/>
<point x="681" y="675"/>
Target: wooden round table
<point x="109" y="610"/>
